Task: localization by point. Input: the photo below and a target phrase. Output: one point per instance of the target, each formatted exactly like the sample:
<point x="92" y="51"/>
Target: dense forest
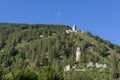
<point x="41" y="51"/>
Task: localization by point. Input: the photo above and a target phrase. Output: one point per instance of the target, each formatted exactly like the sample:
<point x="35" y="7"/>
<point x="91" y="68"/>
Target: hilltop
<point x="34" y="51"/>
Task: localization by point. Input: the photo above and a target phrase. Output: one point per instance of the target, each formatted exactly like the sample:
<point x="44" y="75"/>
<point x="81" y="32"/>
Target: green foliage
<point x="25" y="74"/>
<point x="89" y="33"/>
<point x="92" y="74"/>
<point x="49" y="73"/>
<point x="1" y="74"/>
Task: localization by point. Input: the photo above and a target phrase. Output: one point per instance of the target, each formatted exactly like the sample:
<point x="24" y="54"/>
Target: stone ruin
<point x="78" y="54"/>
<point x="90" y="64"/>
<point x="67" y="68"/>
<point x="97" y="65"/>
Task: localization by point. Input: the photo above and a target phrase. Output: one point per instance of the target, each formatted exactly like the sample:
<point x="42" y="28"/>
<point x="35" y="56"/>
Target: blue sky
<point x="101" y="17"/>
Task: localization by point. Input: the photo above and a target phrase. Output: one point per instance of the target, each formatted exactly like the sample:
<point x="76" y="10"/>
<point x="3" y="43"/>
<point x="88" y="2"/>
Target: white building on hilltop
<point x="73" y="29"/>
<point x="78" y="54"/>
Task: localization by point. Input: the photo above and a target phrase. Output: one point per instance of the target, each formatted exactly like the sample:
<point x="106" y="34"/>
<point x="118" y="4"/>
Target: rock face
<point x="78" y="54"/>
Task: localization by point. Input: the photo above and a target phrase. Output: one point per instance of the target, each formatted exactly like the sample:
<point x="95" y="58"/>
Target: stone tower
<point x="78" y="54"/>
<point x="74" y="27"/>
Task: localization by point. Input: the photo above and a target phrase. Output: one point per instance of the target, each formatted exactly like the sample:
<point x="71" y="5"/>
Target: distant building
<point x="73" y="29"/>
<point x="78" y="54"/>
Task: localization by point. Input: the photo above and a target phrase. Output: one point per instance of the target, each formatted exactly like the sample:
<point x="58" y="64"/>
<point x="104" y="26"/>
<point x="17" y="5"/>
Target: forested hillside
<point x="40" y="52"/>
